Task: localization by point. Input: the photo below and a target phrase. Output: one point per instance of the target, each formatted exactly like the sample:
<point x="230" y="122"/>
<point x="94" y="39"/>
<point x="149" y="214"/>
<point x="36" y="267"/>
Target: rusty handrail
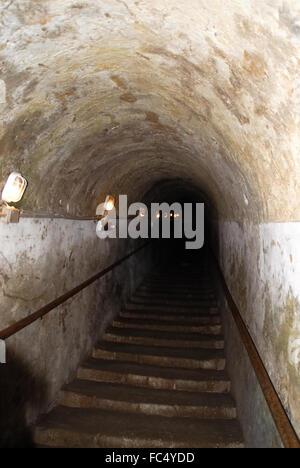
<point x="21" y="324"/>
<point x="284" y="426"/>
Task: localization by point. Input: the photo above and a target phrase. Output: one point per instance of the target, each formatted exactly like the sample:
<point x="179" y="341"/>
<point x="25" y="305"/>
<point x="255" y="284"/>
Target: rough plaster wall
<point x="259" y="428"/>
<point x="254" y="415"/>
<point x="39" y="261"/>
<point x="262" y="268"/>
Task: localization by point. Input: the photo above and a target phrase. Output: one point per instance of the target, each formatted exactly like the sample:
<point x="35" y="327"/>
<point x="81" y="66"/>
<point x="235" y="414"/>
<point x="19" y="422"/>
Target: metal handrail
<point x="284" y="426"/>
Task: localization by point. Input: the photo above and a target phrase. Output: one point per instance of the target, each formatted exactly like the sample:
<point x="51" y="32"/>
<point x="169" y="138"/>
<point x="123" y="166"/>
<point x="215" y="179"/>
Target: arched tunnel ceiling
<point x="114" y="96"/>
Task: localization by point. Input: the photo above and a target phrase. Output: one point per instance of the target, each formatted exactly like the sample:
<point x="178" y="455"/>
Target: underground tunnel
<point x="162" y="101"/>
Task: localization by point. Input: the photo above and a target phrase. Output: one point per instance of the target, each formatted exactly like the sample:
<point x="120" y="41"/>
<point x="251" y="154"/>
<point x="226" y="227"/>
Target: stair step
<point x="186" y="299"/>
<point x="172" y="311"/>
<point x="177" y="288"/>
<point x="164" y="357"/>
<point x="204" y="308"/>
<point x="144" y="292"/>
<point x="171" y="326"/>
<point x="167" y="403"/>
<point x="181" y="278"/>
<point x="204" y="318"/>
<point x="187" y="304"/>
<point x="186" y="280"/>
<point x="173" y="291"/>
<point x="164" y="339"/>
<point x="154" y="377"/>
<point x="161" y="289"/>
<point x="92" y="428"/>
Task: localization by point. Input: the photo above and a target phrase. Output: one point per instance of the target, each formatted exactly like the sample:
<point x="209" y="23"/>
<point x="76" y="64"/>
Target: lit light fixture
<point x="109" y="203"/>
<point x="14" y="188"/>
<point x="12" y="193"/>
<point x="104" y="208"/>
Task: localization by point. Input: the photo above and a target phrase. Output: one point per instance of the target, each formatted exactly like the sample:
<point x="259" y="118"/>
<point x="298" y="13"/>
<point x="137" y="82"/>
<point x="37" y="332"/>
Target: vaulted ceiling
<point x="116" y="96"/>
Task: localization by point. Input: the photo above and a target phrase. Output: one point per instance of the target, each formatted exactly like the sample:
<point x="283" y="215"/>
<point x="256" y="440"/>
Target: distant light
<point x="158" y="215"/>
<point x="14" y="188"/>
<point x="109" y="203"/>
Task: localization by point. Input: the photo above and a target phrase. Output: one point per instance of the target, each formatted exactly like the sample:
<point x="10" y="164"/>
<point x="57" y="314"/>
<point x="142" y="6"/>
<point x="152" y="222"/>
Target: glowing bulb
<point x="14" y="188"/>
<point x="109" y="203"/>
<point x="158" y="215"/>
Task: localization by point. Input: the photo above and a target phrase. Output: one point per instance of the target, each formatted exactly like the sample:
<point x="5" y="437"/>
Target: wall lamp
<point x="102" y="214"/>
<point x="109" y="203"/>
<point x="13" y="192"/>
<point x="104" y="208"/>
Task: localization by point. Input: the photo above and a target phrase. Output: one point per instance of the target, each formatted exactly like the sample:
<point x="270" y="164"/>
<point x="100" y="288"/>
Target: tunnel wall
<point x="261" y="264"/>
<point x="39" y="261"/>
<point x="259" y="428"/>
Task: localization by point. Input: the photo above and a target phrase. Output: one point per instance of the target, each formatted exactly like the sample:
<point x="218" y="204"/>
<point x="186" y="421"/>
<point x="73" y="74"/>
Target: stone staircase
<point x="156" y="380"/>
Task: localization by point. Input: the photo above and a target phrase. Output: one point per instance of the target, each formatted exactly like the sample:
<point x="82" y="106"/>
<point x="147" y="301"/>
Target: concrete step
<point x="164" y="339"/>
<point x="167" y="326"/>
<point x="204" y="307"/>
<point x="128" y="399"/>
<point x="154" y="377"/>
<point x="181" y="282"/>
<point x="95" y="428"/>
<point x="206" y="317"/>
<point x="160" y="356"/>
<point x="148" y="294"/>
<point x="189" y="284"/>
<point x="189" y="287"/>
<point x="179" y="274"/>
<point x="174" y="293"/>
<point x="174" y="303"/>
<point x="179" y="279"/>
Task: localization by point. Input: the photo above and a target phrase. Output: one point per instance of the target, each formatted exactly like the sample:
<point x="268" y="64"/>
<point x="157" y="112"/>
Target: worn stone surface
<point x="90" y="428"/>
